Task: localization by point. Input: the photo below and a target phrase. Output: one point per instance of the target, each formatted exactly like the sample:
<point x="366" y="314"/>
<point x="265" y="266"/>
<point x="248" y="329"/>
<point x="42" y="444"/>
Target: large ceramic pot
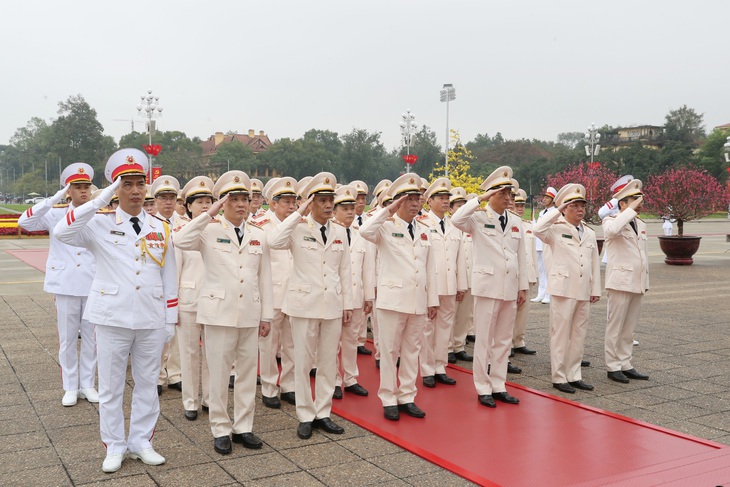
<point x="679" y="250"/>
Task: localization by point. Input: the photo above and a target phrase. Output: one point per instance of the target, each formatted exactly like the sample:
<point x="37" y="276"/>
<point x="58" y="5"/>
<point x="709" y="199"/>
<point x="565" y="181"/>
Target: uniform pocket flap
<point x="55" y="265"/>
<point x="623" y="267"/>
<point x="300" y="288"/>
<point x="391" y="282"/>
<point x="102" y="287"/>
<point x="213" y="293"/>
<point x="187" y="284"/>
<point x="484" y="270"/>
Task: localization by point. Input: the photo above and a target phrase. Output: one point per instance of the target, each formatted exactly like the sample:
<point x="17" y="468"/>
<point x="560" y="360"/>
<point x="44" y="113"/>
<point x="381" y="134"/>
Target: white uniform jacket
<point x="320" y="284"/>
<point x="131" y="289"/>
<point x="190" y="272"/>
<point x="575" y="271"/>
<point x="281" y="260"/>
<point x="628" y="267"/>
<point x="362" y="264"/>
<point x="530" y="250"/>
<point x="69" y="270"/>
<point x="449" y="254"/>
<point x="406" y="272"/>
<point x="236" y="290"/>
<point x="499" y="270"/>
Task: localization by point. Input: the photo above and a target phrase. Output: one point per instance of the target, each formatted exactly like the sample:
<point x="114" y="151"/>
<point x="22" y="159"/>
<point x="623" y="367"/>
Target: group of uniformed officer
<point x="249" y="289"/>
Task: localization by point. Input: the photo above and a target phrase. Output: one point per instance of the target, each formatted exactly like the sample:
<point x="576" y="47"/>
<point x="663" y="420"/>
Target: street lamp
<point x="448" y="93"/>
<point x="727" y="150"/>
<point x="408" y="129"/>
<point x="150" y="108"/>
<point x="593" y="137"/>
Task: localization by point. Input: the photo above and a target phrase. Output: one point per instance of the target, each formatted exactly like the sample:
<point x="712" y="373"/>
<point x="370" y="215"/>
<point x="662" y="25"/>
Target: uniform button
<point x="354" y="284"/>
<point x="137" y="272"/>
<point x="136" y="258"/>
<point x="240" y="267"/>
<point x="325" y="275"/>
<point x="137" y="244"/>
<point x="137" y="288"/>
<point x="448" y="269"/>
<point x="416" y="271"/>
<point x="78" y="253"/>
<point x="581" y="275"/>
<point x="324" y="262"/>
<point x="325" y="289"/>
<point x="241" y="280"/>
<point x="78" y="265"/>
<point x="240" y="252"/>
<point x="507" y="272"/>
<point x="240" y="295"/>
<point x="211" y="295"/>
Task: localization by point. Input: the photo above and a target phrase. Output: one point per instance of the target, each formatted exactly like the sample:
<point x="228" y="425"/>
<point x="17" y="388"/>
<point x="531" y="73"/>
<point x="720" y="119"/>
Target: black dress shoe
<point x="328" y="425"/>
<point x="471" y="338"/>
<point x="338" y="393"/>
<point x="231" y="381"/>
<point x="429" y="381"/>
<point x="191" y="415"/>
<point x="564" y="387"/>
<point x="445" y="379"/>
<point x="361" y="350"/>
<point x="585" y="363"/>
<point x="271" y="402"/>
<point x="487" y="400"/>
<point x="451" y="358"/>
<point x="618" y="376"/>
<point x="258" y="380"/>
<point x="391" y="413"/>
<point x="504" y="397"/>
<point x="583" y="386"/>
<point x="205" y="408"/>
<point x="525" y="351"/>
<point x="313" y="372"/>
<point x="511" y="353"/>
<point x="248" y="440"/>
<point x="463" y="356"/>
<point x="159" y="390"/>
<point x="635" y="374"/>
<point x="357" y="389"/>
<point x="513" y="369"/>
<point x="304" y="430"/>
<point x="377" y="363"/>
<point x="289" y="397"/>
<point x="411" y="410"/>
<point x="222" y="445"/>
<point x="397" y="363"/>
<point x="177" y="386"/>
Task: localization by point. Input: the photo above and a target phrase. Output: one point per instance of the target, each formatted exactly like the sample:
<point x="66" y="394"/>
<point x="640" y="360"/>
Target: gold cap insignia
<point x="412" y="181"/>
<point x="130" y="159"/>
<point x="577" y="190"/>
<point x="236" y="179"/>
<point x="443" y="184"/>
<point x="81" y="170"/>
<point x="505" y="174"/>
<point x="636" y="185"/>
<point x="347" y="192"/>
<point x="326" y="180"/>
<point x="288" y="183"/>
<point x="167" y="181"/>
<point x="202" y="183"/>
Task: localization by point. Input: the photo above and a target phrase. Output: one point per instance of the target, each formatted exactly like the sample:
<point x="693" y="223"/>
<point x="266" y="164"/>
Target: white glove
<point x="106" y="195"/>
<point x="60" y="196"/>
<point x="170" y="330"/>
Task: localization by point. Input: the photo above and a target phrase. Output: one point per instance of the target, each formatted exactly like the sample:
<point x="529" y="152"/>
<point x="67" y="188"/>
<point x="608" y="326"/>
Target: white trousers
<point x="225" y="345"/>
<point x="347" y="358"/>
<point x="115" y="346"/>
<point x="463" y="322"/>
<point x="623" y="314"/>
<point x="494" y="320"/>
<point x="315" y="342"/>
<point x="523" y="312"/>
<point x="278" y="339"/>
<point x="541" y="276"/>
<point x="434" y="352"/>
<point x="170" y="368"/>
<point x="568" y="327"/>
<point x="77" y="371"/>
<point x="400" y="336"/>
<point x="193" y="363"/>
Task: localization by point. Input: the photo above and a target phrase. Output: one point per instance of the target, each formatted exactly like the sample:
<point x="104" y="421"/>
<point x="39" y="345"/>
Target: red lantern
<point x="594" y="165"/>
<point x="152" y="149"/>
<point x="410" y="158"/>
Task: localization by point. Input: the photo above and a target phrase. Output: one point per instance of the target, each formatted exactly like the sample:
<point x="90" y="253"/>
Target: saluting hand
<point x="487" y="195"/>
<point x="636" y="204"/>
<point x="304" y="207"/>
<point x="216" y="207"/>
<point x="393" y="207"/>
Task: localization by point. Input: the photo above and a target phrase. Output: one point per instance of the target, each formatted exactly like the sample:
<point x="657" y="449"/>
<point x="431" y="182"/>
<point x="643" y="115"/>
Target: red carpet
<point x="543" y="441"/>
<point x="33" y="257"/>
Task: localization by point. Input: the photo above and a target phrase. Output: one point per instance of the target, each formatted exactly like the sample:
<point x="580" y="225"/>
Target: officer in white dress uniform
<point x="548" y="200"/>
<point x="257" y="199"/>
<point x="198" y="197"/>
<point x="318" y="299"/>
<point x="523" y="311"/>
<point x="464" y="318"/>
<point x="132" y="302"/>
<point x="361" y="201"/>
<point x="235" y="305"/>
<point x="499" y="282"/>
<point x="406" y="280"/>
<point x="69" y="273"/>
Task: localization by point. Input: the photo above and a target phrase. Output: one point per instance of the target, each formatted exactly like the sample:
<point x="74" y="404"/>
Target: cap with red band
<point x="78" y="172"/>
<point x="126" y="162"/>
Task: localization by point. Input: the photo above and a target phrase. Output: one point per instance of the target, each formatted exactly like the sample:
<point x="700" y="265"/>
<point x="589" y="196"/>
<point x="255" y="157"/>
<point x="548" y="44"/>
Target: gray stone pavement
<point x="684" y="336"/>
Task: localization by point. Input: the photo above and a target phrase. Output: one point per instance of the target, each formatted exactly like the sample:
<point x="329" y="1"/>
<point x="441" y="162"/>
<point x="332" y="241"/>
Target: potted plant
<point x="685" y="194"/>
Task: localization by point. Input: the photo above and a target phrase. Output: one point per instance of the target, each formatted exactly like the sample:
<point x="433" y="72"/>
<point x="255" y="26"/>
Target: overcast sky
<point x="528" y="69"/>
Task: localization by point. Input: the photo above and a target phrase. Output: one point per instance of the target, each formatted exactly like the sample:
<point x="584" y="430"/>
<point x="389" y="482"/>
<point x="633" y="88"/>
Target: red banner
<point x="156" y="173"/>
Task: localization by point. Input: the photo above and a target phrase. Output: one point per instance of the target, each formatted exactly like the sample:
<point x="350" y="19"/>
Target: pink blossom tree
<point x="595" y="177"/>
<point x="684" y="193"/>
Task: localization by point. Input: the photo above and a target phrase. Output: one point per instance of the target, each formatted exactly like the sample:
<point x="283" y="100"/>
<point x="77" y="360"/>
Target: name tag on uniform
<point x="487" y="225"/>
<point x="434" y="230"/>
<point x="223" y="240"/>
<point x="567" y="236"/>
<point x="399" y="235"/>
<point x="310" y="239"/>
<point x="114" y="232"/>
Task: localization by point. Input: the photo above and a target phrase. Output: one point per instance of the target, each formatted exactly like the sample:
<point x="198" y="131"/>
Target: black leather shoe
<point x="585" y="363"/>
<point x="635" y="374"/>
<point x="463" y="356"/>
<point x="271" y="402"/>
<point x="487" y="400"/>
<point x="445" y="379"/>
<point x="391" y="413"/>
<point x="191" y="415"/>
<point x="222" y="445"/>
<point x="411" y="410"/>
<point x="328" y="425"/>
<point x="205" y="408"/>
<point x="583" y="386"/>
<point x="525" y="351"/>
<point x="429" y="381"/>
<point x="304" y="430"/>
<point x="289" y="397"/>
<point x="397" y="363"/>
<point x="451" y="358"/>
<point x="511" y="353"/>
<point x="564" y="387"/>
<point x="258" y="380"/>
<point x="361" y="350"/>
<point x="618" y="376"/>
<point x="471" y="338"/>
<point x="357" y="389"/>
<point x="504" y="397"/>
<point x="377" y="363"/>
<point x="313" y="372"/>
<point x="513" y="369"/>
<point x="338" y="393"/>
<point x="248" y="440"/>
<point x="177" y="386"/>
<point x="159" y="390"/>
<point x="231" y="381"/>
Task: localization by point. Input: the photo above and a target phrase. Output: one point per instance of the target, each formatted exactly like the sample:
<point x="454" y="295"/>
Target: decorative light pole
<point x="448" y="93"/>
<point x="593" y="138"/>
<point x="408" y="129"/>
<point x="727" y="150"/>
<point x="150" y="108"/>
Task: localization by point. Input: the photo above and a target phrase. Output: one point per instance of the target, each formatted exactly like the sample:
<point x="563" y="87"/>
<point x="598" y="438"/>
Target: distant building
<point x="722" y="127"/>
<point x="256" y="142"/>
<point x="651" y="136"/>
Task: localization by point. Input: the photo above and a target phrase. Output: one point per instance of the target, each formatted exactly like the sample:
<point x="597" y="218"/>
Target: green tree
<point x="364" y="157"/>
<point x="711" y="155"/>
<point x="684" y="125"/>
<point x="297" y="158"/>
<point x="180" y="156"/>
<point x="233" y="156"/>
